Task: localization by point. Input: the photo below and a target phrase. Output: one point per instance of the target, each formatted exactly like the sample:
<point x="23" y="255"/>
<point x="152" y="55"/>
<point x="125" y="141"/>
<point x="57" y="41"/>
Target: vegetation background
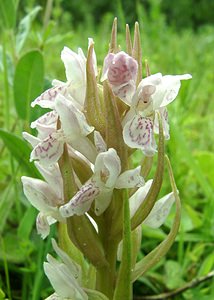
<point x="177" y="38"/>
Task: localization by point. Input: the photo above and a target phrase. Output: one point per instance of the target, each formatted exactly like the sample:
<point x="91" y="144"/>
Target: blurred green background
<point x="177" y="38"/>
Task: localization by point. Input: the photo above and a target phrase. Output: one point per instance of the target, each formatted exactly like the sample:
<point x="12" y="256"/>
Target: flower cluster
<point x="95" y="150"/>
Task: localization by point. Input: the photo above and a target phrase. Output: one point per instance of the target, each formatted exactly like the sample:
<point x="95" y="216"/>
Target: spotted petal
<point x="130" y="179"/>
<point x="47" y="99"/>
<point x="81" y="202"/>
<point x="160" y="211"/>
<point x="138" y="133"/>
<point x="48" y="151"/>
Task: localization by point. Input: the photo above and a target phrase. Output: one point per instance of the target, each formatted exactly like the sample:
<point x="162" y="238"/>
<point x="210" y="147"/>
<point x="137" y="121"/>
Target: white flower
<point x="45" y="199"/>
<point x="153" y="94"/>
<point x="100" y="187"/>
<point x="74" y="131"/>
<point x="160" y="210"/>
<point x="65" y="277"/>
<point x="75" y="87"/>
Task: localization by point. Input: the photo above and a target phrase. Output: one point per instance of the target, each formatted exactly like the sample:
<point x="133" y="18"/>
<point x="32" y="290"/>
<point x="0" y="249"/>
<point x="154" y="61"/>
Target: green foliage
<point x="28" y="82"/>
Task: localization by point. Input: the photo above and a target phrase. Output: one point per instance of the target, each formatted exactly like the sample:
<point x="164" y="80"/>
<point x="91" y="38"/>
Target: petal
<point x="107" y="62"/>
<point x="138" y="133"/>
<point x="53" y="177"/>
<point x="54" y="296"/>
<point x="47" y="99"/>
<point x="138" y="197"/>
<point x="39" y="194"/>
<point x="164" y="117"/>
<point x="130" y="179"/>
<point x="73" y="267"/>
<point x="102" y="201"/>
<point x="34" y="141"/>
<point x="99" y="142"/>
<point x="75" y="65"/>
<point x="107" y="168"/>
<point x="48" y="151"/>
<point x="73" y="121"/>
<point x="171" y="85"/>
<point x="122" y="69"/>
<point x="48" y="119"/>
<point x="42" y="225"/>
<point x="81" y="202"/>
<point x="125" y="91"/>
<point x="142" y="99"/>
<point x="84" y="146"/>
<point x="160" y="211"/>
<point x="62" y="280"/>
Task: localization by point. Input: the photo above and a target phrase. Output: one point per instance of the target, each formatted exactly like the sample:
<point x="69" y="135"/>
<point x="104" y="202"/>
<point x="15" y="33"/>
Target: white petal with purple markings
<point x="138" y="133"/>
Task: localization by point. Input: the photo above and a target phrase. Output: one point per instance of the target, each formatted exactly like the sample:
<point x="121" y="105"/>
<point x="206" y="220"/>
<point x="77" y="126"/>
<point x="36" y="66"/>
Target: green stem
<point x="123" y="288"/>
<point x="106" y="275"/>
<point x="6" y="88"/>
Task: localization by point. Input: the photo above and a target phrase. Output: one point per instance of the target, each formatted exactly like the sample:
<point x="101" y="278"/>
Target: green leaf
<point x="95" y="295"/>
<point x="24" y="28"/>
<point x="206" y="163"/>
<point x="20" y="151"/>
<point x="18" y="253"/>
<point x="9" y="63"/>
<point x="6" y="203"/>
<point x="207" y="265"/>
<point x="123" y="288"/>
<point x="155" y="255"/>
<point x="27" y="223"/>
<point x="2" y="294"/>
<point x="173" y="277"/>
<point x="28" y="82"/>
<point x="7" y="14"/>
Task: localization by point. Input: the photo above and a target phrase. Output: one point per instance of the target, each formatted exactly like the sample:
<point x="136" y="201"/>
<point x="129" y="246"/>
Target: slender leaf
<point x="155" y="255"/>
<point x="24" y="28"/>
<point x="27" y="223"/>
<point x="20" y="151"/>
<point x="28" y="82"/>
